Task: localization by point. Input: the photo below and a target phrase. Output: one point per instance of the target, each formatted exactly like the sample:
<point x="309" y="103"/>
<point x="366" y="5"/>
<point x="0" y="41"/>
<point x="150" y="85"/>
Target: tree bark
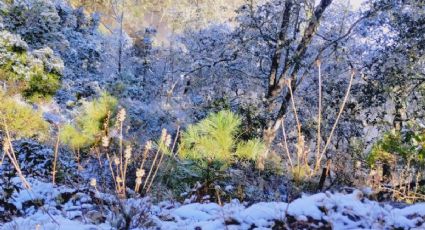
<point x="325" y="173"/>
<point x="281" y="42"/>
<point x="120" y="44"/>
<point x="291" y="69"/>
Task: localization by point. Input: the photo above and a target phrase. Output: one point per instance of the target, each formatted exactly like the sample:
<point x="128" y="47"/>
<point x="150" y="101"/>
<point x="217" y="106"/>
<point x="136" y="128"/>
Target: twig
<point x="300" y="144"/>
<point x="12" y="156"/>
<point x="162" y="156"/>
<point x="152" y="166"/>
<point x="55" y="157"/>
<point x="286" y="144"/>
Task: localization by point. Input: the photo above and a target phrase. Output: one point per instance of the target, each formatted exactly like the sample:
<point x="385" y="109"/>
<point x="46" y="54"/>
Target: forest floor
<point x="48" y="206"/>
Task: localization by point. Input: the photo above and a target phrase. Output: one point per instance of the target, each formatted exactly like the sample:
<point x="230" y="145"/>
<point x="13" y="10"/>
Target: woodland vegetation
<point x="211" y="101"/>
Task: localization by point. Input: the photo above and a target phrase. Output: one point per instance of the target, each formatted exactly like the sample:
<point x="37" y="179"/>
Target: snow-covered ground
<point x="322" y="210"/>
<point x="58" y="207"/>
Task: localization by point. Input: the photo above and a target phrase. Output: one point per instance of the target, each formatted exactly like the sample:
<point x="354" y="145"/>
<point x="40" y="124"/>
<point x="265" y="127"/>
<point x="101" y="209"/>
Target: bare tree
<point x="291" y="65"/>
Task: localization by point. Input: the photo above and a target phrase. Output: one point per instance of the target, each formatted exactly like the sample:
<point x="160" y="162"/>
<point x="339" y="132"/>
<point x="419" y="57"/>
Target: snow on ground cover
<point x="43" y="221"/>
<point x="323" y="210"/>
<point x="338" y="211"/>
<point x="39" y="191"/>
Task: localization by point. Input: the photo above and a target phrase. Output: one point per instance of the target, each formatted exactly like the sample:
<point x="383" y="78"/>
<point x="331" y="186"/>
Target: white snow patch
<point x="337" y="210"/>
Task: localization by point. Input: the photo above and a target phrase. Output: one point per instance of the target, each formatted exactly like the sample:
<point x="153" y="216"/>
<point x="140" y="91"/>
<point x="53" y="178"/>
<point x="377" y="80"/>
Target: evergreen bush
<point x="215" y="140"/>
<point x="20" y="119"/>
<point x="89" y="122"/>
<point x="35" y="74"/>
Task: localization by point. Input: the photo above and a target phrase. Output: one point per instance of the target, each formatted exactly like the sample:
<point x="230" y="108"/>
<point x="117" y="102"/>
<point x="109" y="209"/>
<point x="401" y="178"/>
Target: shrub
<point x="399" y="159"/>
<point x="36" y="74"/>
<point x="18" y="120"/>
<point x="209" y="147"/>
<point x="21" y="120"/>
<point x="42" y="85"/>
<point x="214" y="141"/>
<point x="37" y="21"/>
<point x="56" y="24"/>
<point x="250" y="150"/>
<point x="95" y="112"/>
<point x="89" y="123"/>
<point x="74" y="138"/>
<point x="407" y="145"/>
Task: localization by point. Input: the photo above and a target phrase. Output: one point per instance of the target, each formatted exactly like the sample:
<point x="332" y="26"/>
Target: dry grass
<point x="304" y="163"/>
<point x="403" y="184"/>
<point x="10" y="153"/>
<point x="120" y="158"/>
<point x="56" y="155"/>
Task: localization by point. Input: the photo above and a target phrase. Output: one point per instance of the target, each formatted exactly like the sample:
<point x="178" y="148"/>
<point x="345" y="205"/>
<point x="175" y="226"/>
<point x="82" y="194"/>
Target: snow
<point x="196" y="211"/>
<point x="399" y="216"/>
<point x="43" y="221"/>
<point x="307" y="206"/>
<point x="338" y="210"/>
<point x="262" y="211"/>
<point x="39" y="191"/>
<point x="343" y="211"/>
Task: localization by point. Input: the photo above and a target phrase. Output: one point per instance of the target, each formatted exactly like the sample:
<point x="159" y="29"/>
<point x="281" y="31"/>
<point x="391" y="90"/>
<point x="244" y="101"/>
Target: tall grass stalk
<point x="161" y="140"/>
<point x="140" y="172"/>
<point x="56" y="155"/>
<point x="297" y="121"/>
<point x="341" y="109"/>
<point x="319" y="114"/>
<point x="299" y="163"/>
<point x="120" y="166"/>
<point x="10" y="152"/>
<point x="285" y="143"/>
<point x="166" y="143"/>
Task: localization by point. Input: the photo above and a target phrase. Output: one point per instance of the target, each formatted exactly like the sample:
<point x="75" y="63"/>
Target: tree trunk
<point x="281" y="42"/>
<point x="291" y="69"/>
<point x="120" y="44"/>
<point x="399" y="112"/>
<point x="325" y="173"/>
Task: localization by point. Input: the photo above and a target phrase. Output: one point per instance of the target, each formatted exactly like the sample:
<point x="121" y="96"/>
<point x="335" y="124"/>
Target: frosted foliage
<point x="14" y="52"/>
<point x="67" y="31"/>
